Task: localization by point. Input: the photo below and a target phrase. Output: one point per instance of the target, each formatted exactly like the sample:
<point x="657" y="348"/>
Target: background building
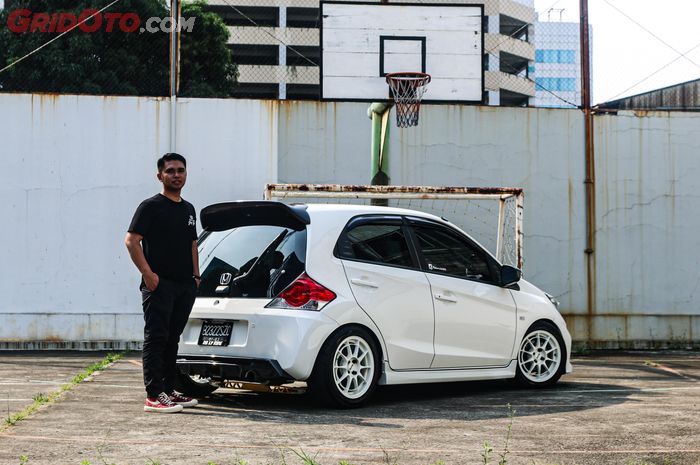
<point x="557" y="69"/>
<point x="678" y="97"/>
<point x="289" y="70"/>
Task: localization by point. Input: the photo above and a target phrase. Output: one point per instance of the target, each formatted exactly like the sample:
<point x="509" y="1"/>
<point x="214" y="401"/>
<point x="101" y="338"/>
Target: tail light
<point x="303" y="294"/>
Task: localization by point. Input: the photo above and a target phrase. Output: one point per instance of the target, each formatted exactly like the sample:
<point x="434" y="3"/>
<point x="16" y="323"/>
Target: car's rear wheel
<point x="346" y="369"/>
<point x="194" y="386"/>
<point x="541" y="357"/>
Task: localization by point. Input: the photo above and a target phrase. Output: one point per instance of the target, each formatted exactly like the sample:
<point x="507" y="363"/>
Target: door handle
<point x="361" y="282"/>
<point x="445" y="298"/>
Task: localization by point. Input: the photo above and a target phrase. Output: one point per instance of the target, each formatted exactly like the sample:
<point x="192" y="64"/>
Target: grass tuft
<point x="43" y="399"/>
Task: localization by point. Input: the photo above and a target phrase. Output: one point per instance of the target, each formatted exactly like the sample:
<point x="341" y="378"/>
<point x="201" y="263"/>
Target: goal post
<point x="491" y="215"/>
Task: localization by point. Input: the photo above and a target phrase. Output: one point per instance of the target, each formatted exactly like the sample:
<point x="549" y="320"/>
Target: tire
<point x="347" y="368"/>
<point x="194" y="386"/>
<point x="541" y="356"/>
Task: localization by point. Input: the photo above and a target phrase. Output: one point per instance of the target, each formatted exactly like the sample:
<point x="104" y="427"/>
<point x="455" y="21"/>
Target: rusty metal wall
<point x="540" y="150"/>
<point x="647" y="201"/>
<point x="646" y="191"/>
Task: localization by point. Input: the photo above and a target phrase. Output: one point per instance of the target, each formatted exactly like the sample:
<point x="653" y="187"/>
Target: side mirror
<point x="509" y="275"/>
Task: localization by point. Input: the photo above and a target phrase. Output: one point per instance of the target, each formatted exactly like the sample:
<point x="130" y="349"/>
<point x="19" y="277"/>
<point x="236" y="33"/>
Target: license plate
<point x="215" y="333"/>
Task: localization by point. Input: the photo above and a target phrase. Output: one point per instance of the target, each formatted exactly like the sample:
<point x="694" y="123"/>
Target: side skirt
<point x="443" y="376"/>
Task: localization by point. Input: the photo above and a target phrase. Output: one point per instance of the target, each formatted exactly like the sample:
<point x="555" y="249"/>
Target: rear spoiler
<point x="229" y="215"/>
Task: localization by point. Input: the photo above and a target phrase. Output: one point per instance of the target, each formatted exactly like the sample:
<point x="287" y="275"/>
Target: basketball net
<point x="407" y="90"/>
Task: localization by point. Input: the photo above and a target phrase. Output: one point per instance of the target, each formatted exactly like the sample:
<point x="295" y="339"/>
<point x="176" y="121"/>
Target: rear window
<point x="250" y="261"/>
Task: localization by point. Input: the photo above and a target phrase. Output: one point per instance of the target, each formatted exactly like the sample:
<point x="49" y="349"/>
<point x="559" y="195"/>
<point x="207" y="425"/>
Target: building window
<point x="302" y="17"/>
<point x="303" y="55"/>
<point x="555" y="56"/>
<point x="303" y="91"/>
<point x="253" y="16"/>
<point x="556" y="84"/>
<point x="246" y="54"/>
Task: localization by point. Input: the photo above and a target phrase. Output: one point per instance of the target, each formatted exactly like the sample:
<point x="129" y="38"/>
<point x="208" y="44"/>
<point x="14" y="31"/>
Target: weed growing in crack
<point x="487" y="450"/>
<point x="43" y="399"/>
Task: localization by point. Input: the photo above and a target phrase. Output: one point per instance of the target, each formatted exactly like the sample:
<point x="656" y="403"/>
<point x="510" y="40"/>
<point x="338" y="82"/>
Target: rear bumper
<point x="233" y="369"/>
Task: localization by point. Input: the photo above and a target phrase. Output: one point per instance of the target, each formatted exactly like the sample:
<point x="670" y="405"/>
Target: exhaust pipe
<point x="251" y="376"/>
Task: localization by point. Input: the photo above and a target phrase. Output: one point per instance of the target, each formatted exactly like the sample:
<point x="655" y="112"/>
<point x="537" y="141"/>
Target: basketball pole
<point x="379" y="114"/>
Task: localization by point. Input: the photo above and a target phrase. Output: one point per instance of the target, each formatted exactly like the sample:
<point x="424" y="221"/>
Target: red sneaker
<point x="180" y="399"/>
<point x="161" y="404"/>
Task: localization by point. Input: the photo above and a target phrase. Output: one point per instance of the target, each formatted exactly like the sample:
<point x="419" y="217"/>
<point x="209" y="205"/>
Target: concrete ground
<point x="614" y="409"/>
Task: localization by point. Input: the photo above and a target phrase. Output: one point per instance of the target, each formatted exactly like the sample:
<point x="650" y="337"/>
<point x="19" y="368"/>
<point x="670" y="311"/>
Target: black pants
<point x="165" y="312"/>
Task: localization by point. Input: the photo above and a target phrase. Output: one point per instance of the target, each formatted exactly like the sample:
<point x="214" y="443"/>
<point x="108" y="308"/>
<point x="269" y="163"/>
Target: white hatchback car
<point x="346" y="297"/>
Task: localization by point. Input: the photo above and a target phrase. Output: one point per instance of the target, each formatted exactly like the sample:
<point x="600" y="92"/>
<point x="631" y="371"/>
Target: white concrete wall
<point x="76" y="167"/>
<point x="74" y="170"/>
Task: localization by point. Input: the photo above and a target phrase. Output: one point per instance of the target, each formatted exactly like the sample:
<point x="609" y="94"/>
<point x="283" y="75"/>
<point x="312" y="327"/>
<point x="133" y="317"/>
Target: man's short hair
<point x="171" y="156"/>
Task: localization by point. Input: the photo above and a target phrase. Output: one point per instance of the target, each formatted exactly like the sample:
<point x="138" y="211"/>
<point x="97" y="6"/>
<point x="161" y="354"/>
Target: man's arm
<point x="133" y="245"/>
<point x="195" y="263"/>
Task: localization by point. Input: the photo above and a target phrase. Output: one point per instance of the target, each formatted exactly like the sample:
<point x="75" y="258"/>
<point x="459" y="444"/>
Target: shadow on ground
<point x="468" y="401"/>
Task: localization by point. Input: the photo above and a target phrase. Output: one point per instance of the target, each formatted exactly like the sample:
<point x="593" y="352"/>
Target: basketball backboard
<point x="363" y="42"/>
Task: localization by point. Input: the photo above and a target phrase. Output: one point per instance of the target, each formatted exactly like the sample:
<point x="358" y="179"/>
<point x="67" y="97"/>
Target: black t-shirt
<point x="168" y="229"/>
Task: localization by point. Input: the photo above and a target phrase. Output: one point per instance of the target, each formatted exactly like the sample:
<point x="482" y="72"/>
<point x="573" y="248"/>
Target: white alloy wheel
<point x="540" y="356"/>
<point x="353" y="367"/>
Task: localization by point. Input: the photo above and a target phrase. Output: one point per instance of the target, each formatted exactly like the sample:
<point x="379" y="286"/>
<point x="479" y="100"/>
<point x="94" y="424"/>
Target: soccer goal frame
<point x="509" y="233"/>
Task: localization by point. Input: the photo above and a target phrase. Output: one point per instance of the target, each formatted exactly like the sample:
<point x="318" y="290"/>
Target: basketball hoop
<point x="407" y="89"/>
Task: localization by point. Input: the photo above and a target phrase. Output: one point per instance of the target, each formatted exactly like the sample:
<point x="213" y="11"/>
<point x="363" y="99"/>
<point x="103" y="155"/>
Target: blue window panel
<point x="555" y="56"/>
<point x="567" y="56"/>
<point x="557" y="84"/>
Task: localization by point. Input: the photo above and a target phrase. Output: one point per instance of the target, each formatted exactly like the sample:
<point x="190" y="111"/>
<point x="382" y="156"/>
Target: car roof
<point x="351" y="210"/>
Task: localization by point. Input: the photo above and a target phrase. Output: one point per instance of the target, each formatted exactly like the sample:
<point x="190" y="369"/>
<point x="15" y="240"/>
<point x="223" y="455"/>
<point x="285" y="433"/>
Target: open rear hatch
<point x="229" y="215"/>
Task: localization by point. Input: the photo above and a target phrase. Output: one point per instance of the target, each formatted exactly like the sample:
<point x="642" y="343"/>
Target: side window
<point x="447" y="253"/>
<point x="378" y="243"/>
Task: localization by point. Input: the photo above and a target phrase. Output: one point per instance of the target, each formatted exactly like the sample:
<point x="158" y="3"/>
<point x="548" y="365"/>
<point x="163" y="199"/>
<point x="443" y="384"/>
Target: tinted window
<point x="251" y="261"/>
<point x="447" y="253"/>
<point x="378" y="243"/>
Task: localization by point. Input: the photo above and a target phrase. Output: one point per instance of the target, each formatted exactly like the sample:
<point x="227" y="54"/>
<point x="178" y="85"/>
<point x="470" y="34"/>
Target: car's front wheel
<point x="347" y="368"/>
<point x="541" y="357"/>
<point x="194" y="386"/>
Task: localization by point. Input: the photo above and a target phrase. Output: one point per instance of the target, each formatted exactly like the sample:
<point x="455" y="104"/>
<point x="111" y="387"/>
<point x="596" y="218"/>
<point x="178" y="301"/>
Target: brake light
<point x="303" y="294"/>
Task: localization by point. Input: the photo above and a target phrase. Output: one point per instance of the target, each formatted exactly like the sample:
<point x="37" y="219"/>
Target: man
<point x="162" y="242"/>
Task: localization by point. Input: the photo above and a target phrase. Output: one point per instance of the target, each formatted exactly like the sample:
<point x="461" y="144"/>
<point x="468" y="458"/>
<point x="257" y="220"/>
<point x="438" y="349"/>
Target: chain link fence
<point x="266" y="49"/>
<point x="83" y="47"/>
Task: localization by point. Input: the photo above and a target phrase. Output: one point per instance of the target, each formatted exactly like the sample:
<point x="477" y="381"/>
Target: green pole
<point x="379" y="113"/>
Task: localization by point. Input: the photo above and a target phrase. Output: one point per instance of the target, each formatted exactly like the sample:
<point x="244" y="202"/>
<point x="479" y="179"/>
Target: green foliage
<point x="305" y="458"/>
<point x="488" y="448"/>
<point x="101" y="62"/>
<point x="40" y="398"/>
<point x="23" y="460"/>
<point x="509" y="431"/>
<point x="206" y="63"/>
<point x="486" y="453"/>
<point x="117" y="62"/>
